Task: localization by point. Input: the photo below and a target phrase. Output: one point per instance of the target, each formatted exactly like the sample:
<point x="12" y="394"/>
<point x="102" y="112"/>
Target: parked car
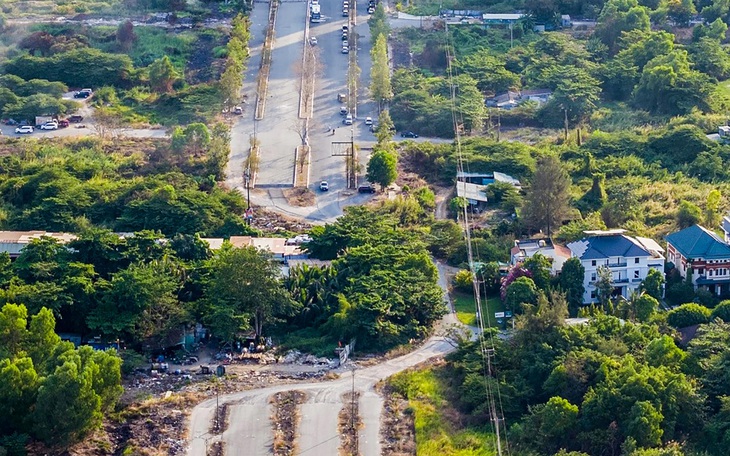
<point x="345" y="49"/>
<point x="366" y="188"/>
<point x="49" y="126"/>
<point x="347" y="120"/>
<point x="11" y="122"/>
<point x="345" y="12"/>
<point x="324" y="186"/>
<point x="63" y="123"/>
<point x="345" y="28"/>
<point x="75" y="119"/>
<point x="83" y="93"/>
<point x="237" y="110"/>
<point x="368" y="121"/>
<point x="408" y="134"/>
<point x="343" y="110"/>
<point x="344" y="36"/>
<point x="313" y="40"/>
<point x="24" y="130"/>
<point x="341" y="97"/>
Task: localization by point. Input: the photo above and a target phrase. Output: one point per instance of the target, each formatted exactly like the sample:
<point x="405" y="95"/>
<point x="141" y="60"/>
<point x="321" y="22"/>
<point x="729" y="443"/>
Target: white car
<point x="348" y="120"/>
<point x="345" y="49"/>
<point x="313" y="40"/>
<point x="49" y="126"/>
<point x="368" y="121"/>
<point x="324" y="186"/>
<point x="25" y="129"/>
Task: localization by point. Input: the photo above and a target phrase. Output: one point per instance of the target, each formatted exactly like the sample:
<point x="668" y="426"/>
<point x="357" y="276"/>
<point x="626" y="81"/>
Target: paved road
<point x="249" y="430"/>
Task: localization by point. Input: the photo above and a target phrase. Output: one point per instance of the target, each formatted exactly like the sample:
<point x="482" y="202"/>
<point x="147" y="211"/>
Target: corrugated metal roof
<point x="472" y="192"/>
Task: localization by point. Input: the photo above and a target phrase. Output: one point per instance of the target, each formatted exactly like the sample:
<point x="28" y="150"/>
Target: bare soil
<point x="271" y="222"/>
<point x="299" y="196"/>
<point x="398" y="429"/>
<point x="286" y="420"/>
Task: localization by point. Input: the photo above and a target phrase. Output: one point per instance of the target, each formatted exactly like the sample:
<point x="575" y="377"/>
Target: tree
<point x="521" y="291"/>
<point x="539" y="266"/>
<point x="604" y="285"/>
<point x="645" y="307"/>
<point x="652" y="284"/>
<point x="385" y="129"/>
<point x="721" y="311"/>
<point x="126" y="36"/>
<point x="162" y="75"/>
<point x="547" y="202"/>
<point x="380" y="87"/>
<point x="688" y="315"/>
<point x="688" y="214"/>
<point x="576" y="96"/>
<point x="571" y="281"/>
<point x="664" y="352"/>
<point x="245" y="283"/>
<point x="489" y="71"/>
<point x="712" y="207"/>
<point x="382" y="167"/>
<point x="618" y="16"/>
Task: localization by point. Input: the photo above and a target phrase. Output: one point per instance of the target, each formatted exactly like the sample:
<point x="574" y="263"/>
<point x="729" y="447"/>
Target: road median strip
<point x="350" y="424"/>
<point x="286" y="421"/>
<point x="262" y="84"/>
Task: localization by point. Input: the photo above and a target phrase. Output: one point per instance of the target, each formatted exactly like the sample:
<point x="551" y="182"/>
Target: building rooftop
<point x="699" y="242"/>
<point x="613" y="243"/>
<point x="472" y="192"/>
<point x="24" y="237"/>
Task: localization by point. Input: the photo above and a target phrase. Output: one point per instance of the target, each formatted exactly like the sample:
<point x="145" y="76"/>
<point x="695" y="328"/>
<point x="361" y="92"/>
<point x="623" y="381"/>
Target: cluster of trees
<point x="147" y="73"/>
<point x="237" y="54"/>
<point x="624" y="60"/>
<point x="606" y="386"/>
<point x="51" y="391"/>
<point x="382" y="286"/>
<point x="23" y="100"/>
<point x="71" y="186"/>
<point x="423" y="104"/>
<point x="381" y="89"/>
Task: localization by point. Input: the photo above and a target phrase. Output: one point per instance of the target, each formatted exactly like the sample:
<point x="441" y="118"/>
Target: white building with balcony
<point x="629" y="258"/>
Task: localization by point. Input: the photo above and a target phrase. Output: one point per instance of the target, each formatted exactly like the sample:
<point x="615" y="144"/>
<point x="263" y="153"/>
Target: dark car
<point x="408" y="134"/>
<point x="63" y="123"/>
<point x="82" y="95"/>
<point x="75" y="119"/>
<point x="366" y="188"/>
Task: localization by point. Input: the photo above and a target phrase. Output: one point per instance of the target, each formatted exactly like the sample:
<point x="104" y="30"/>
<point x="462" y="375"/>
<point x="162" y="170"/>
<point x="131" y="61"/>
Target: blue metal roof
<point x="611" y="246"/>
<point x="699" y="242"/>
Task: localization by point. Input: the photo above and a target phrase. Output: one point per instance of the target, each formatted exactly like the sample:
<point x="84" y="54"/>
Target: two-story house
<point x="526" y="248"/>
<point x="702" y="254"/>
<point x="630" y="258"/>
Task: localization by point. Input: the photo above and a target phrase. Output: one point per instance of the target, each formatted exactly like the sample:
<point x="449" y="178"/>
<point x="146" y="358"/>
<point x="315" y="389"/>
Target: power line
<point x="487" y="348"/>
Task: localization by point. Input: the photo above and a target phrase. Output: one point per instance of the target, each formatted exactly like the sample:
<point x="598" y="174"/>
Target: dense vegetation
<point x="141" y="74"/>
<point x="603" y="388"/>
<point x="640" y="65"/>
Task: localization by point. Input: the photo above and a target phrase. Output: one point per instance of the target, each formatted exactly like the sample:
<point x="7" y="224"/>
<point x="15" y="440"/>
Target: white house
<point x="629" y="258"/>
<point x="527" y="248"/>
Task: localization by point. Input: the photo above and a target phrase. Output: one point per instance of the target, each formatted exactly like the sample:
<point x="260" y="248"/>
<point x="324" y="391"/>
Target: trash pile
<point x="297" y="357"/>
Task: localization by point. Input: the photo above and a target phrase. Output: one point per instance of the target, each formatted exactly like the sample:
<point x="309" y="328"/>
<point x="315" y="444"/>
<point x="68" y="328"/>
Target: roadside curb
<point x="262" y="85"/>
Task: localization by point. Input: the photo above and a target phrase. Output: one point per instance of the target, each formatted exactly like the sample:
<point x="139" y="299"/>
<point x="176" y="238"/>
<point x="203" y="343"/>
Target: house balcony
<point x="617" y="265"/>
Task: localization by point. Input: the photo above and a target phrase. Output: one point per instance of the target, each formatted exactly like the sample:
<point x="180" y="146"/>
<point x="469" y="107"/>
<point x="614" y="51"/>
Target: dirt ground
<point x="299" y="196"/>
<point x="286" y="420"/>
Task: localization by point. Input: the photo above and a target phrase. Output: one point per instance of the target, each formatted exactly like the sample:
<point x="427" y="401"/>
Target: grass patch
<point x="437" y="423"/>
<point x="464" y="306"/>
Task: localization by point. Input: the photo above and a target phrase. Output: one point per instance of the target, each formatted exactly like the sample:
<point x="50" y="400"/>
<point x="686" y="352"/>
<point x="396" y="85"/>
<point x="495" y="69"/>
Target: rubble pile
<point x="297" y="357"/>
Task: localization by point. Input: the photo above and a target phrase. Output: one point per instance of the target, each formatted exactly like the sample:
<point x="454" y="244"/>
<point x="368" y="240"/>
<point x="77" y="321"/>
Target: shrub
<point x="463" y="280"/>
<point x="688" y="315"/>
<point x="722" y="311"/>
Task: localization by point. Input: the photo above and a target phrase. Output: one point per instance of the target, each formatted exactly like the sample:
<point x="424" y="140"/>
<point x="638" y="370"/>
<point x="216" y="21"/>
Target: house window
<point x="702" y="271"/>
<point x="636" y="274"/>
<point x="593" y="277"/>
<point x="709" y="272"/>
<point x="593" y="263"/>
<point x="593" y="294"/>
<point x="636" y="261"/>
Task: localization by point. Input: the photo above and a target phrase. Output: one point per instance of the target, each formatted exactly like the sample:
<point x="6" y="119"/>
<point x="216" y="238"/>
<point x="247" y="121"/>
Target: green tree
<point x="618" y="16"/>
<point x="245" y="283"/>
<point x="645" y="424"/>
<point x="688" y="214"/>
<point x="576" y="96"/>
<point x="571" y="281"/>
<point x="652" y="284"/>
<point x="721" y="311"/>
<point x="385" y="129"/>
<point x="539" y="266"/>
<point x="645" y="307"/>
<point x="664" y="352"/>
<point x="162" y="75"/>
<point x="382" y="167"/>
<point x="521" y="291"/>
<point x="380" y="86"/>
<point x="547" y="202"/>
<point x="604" y="285"/>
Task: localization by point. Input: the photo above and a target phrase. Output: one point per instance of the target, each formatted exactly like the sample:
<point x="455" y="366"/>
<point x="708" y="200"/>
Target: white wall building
<point x="629" y="259"/>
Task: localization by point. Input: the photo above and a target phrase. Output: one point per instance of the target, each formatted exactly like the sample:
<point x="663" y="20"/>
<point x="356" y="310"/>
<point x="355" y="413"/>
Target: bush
<point x="722" y="311"/>
<point x="463" y="280"/>
<point x="688" y="315"/>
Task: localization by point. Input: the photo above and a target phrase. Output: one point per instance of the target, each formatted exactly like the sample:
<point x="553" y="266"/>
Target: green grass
<point x="438" y="432"/>
<point x="464" y="306"/>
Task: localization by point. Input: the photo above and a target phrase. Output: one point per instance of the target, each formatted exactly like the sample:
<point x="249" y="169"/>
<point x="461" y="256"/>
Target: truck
<point x="315" y="15"/>
<point x="40" y="120"/>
